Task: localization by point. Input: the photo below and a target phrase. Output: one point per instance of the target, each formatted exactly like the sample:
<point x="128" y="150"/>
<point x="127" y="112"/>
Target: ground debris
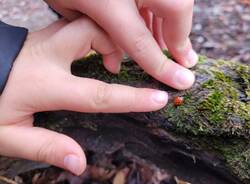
<point x="5" y="180"/>
<point x="178" y="181"/>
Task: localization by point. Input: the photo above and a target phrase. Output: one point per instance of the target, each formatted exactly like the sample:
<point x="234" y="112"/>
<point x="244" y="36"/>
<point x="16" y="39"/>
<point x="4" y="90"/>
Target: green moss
<point x="202" y="59"/>
<point x="235" y="152"/>
<point x="238" y="159"/>
<point x="168" y="54"/>
<point x="214" y="103"/>
<point x="244" y="73"/>
<point x="182" y="119"/>
<point x="214" y="106"/>
<point x="131" y="73"/>
<point x="92" y="67"/>
<point x="223" y="99"/>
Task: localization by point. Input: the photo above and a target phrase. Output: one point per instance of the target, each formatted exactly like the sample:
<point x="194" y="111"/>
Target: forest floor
<point x="222" y="29"/>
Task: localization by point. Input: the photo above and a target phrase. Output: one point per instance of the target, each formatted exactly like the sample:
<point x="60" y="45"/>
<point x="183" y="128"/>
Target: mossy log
<point x="204" y="140"/>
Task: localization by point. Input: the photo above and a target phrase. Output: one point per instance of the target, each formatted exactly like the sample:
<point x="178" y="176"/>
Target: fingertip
<point x="66" y="153"/>
<point x="159" y="98"/>
<point x="112" y="66"/>
<point x="148" y="100"/>
<point x="74" y="160"/>
<point x="112" y="62"/>
<point x="192" y="58"/>
<point x="187" y="59"/>
<point x="175" y="75"/>
<point x="75" y="164"/>
<point x="185" y="55"/>
<point x="183" y="79"/>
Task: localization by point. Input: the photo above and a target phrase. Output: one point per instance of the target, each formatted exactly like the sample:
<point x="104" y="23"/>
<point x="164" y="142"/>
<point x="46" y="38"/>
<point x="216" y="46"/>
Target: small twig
<point x="7" y="180"/>
<point x="178" y="181"/>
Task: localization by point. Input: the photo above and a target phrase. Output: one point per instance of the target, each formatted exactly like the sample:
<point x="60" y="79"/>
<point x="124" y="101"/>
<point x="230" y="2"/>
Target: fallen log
<point x="202" y="140"/>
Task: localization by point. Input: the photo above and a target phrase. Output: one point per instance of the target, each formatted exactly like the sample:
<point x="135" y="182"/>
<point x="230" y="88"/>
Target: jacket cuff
<point x="11" y="42"/>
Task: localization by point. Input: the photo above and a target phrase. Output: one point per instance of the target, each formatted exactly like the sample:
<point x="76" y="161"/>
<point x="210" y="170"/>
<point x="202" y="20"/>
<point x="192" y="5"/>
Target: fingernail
<point x="72" y="163"/>
<point x="192" y="58"/>
<point x="184" y="79"/>
<point x="160" y="97"/>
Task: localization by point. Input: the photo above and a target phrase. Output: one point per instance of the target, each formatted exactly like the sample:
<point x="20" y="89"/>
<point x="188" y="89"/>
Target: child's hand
<point x="41" y="81"/>
<point x="168" y="21"/>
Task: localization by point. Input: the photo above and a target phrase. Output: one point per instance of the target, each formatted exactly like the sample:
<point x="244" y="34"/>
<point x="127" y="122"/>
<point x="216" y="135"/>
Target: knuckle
<point x="46" y="151"/>
<point x="85" y="22"/>
<point x="141" y="44"/>
<point x="93" y="28"/>
<point x="160" y="70"/>
<point x="102" y="96"/>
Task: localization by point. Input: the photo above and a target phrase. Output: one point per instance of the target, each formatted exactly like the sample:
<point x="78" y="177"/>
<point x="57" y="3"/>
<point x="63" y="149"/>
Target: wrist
<point x="11" y="42"/>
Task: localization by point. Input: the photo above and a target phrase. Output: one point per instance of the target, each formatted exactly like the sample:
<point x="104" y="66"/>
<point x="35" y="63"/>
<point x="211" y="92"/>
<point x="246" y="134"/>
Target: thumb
<point x="42" y="145"/>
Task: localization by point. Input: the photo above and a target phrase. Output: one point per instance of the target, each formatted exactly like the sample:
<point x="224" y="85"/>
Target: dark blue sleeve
<point x="11" y="42"/>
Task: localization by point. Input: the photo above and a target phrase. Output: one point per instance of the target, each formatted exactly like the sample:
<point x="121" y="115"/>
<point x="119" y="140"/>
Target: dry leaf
<point x="178" y="181"/>
<point x="120" y="177"/>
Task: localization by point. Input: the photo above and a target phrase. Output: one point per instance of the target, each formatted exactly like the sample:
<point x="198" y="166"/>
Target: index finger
<point x="127" y="28"/>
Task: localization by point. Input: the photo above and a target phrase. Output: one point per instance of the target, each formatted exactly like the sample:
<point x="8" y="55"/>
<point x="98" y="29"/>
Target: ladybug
<point x="178" y="101"/>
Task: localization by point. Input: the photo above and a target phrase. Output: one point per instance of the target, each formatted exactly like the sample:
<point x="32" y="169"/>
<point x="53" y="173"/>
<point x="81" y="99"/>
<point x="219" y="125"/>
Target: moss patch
<point x="217" y="104"/>
<point x="235" y="152"/>
<point x="237" y="156"/>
